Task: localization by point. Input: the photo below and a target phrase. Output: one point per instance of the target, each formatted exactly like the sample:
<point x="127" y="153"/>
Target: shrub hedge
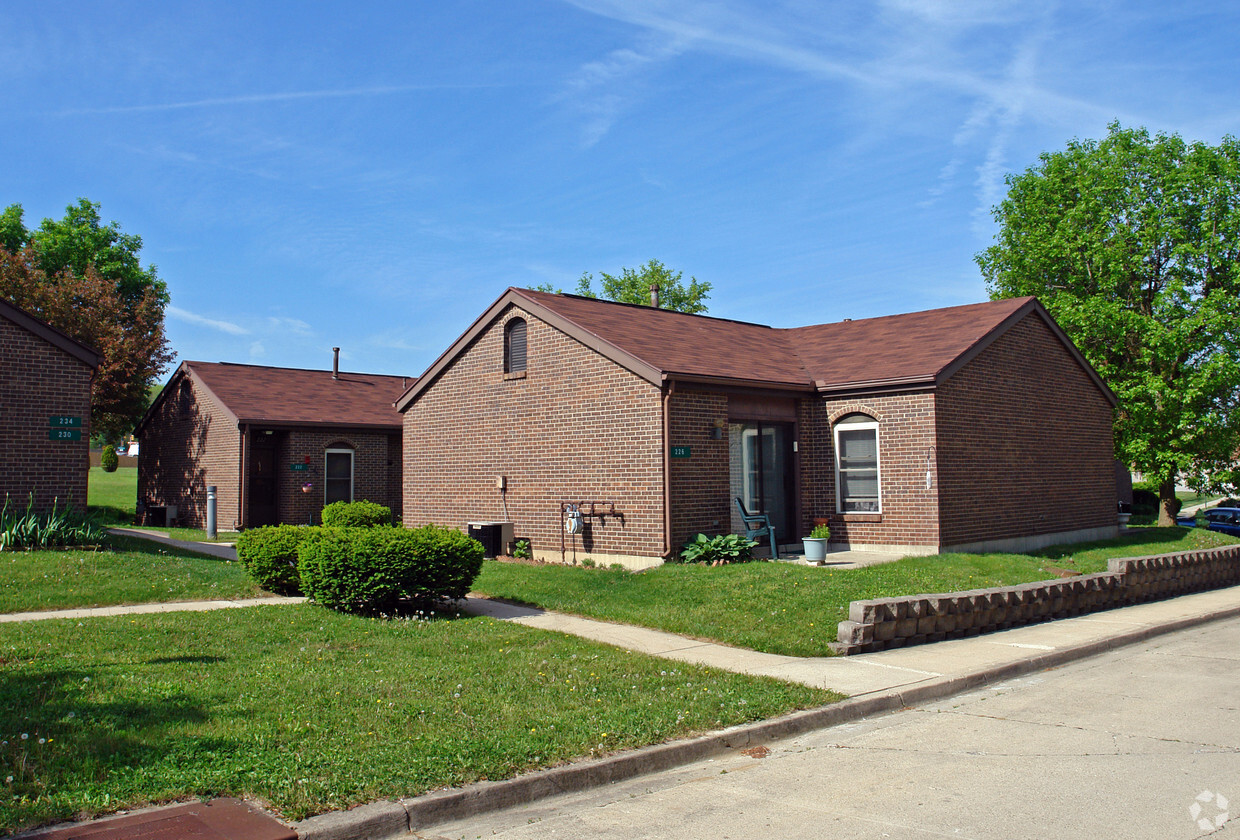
<point x="377" y="570"/>
<point x="356" y="515"/>
<point x="270" y="556"/>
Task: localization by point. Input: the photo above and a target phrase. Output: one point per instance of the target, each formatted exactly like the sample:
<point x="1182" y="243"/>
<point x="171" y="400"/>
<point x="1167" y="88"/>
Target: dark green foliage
<point x="269" y="554"/>
<point x="356" y="515"/>
<point x="55" y="528"/>
<point x="378" y="570"/>
<point x="1144" y="502"/>
<point x="108" y="459"/>
<point x="719" y="550"/>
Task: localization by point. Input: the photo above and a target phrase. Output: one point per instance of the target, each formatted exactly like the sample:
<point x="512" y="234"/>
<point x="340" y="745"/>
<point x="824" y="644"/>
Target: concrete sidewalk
<point x="148" y="609"/>
<point x="903" y="668"/>
<point x="225" y="551"/>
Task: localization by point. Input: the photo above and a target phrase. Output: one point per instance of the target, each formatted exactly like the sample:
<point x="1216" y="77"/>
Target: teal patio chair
<point x="757" y="524"/>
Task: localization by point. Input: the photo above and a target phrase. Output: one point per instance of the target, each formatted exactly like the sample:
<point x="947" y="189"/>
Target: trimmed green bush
<point x="269" y="554"/>
<point x="377" y="570"/>
<point x="356" y="515"/>
<point x="108" y="459"/>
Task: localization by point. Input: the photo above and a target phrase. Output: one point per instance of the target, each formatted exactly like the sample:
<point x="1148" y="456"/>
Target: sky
<point x="374" y="175"/>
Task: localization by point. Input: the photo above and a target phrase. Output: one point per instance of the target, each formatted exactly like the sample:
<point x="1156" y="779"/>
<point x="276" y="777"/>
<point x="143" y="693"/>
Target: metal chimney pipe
<point x="335" y="363"/>
<point x="654" y="295"/>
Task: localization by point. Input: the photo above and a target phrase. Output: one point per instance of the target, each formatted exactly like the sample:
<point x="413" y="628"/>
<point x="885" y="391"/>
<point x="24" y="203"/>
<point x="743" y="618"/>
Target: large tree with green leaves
<point x="633" y="286"/>
<point x="85" y="277"/>
<point x="1132" y="242"/>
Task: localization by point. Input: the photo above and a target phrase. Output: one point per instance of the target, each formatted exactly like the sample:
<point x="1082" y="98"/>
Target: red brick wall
<point x="37" y="381"/>
<point x="1024" y="444"/>
<point x="700" y="494"/>
<point x="183" y="450"/>
<point x="815" y="450"/>
<point x="187" y="445"/>
<point x="577" y="427"/>
<point x="374" y="453"/>
<point x="909" y="513"/>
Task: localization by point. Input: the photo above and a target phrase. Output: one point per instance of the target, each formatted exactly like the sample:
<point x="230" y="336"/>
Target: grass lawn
<point x="310" y="710"/>
<point x="795" y="610"/>
<point x="112" y="496"/>
<point x="126" y="571"/>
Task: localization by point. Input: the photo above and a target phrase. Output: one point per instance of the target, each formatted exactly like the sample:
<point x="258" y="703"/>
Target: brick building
<point x="277" y="443"/>
<point x="975" y="427"/>
<point x="45" y="379"/>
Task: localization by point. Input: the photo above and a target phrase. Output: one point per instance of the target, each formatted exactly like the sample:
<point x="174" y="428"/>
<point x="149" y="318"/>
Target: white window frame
<point x="352" y="469"/>
<point x="848" y="425"/>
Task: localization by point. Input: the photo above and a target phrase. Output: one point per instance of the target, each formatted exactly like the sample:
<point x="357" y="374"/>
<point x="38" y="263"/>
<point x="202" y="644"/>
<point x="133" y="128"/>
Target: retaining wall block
<point x="896" y="622"/>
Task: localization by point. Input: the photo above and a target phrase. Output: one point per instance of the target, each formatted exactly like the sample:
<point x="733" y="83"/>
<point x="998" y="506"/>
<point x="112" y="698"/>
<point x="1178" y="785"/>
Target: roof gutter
<point x="735" y="382"/>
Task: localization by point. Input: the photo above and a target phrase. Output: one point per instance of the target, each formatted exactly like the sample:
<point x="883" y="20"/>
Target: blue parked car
<point x="1224" y="520"/>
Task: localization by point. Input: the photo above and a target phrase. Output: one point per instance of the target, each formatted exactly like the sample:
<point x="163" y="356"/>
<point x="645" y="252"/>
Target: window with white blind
<point x="857" y="473"/>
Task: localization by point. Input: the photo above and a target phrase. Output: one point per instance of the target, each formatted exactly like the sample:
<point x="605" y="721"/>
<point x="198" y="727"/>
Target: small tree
<point x="108" y="459"/>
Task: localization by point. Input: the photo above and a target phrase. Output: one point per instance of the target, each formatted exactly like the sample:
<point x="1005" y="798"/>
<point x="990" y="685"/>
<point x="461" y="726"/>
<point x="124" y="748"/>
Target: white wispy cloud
<point x="289" y="325"/>
<point x="602" y="89"/>
<point x="265" y="98"/>
<point x="202" y="321"/>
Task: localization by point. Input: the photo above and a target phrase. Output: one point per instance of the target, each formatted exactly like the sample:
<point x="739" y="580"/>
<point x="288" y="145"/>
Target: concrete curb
<point x="394" y="819"/>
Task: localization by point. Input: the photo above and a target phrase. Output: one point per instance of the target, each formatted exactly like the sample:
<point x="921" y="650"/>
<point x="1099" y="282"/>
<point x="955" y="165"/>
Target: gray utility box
<point x="494" y="536"/>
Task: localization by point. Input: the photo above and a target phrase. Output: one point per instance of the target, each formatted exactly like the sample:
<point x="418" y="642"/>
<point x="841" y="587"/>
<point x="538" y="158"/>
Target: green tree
<point x="633" y="286"/>
<point x="79" y="240"/>
<point x="85" y="278"/>
<point x="1133" y="244"/>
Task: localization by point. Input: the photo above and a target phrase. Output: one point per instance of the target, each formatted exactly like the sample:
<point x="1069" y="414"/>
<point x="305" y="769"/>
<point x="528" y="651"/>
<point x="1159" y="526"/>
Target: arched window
<point x="514" y="346"/>
<point x="185" y="400"/>
<point x="338" y="474"/>
<point x="857" y="476"/>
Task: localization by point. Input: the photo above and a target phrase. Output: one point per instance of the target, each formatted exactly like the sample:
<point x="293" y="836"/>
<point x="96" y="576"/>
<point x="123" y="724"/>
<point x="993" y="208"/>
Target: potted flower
<point x="816" y="544"/>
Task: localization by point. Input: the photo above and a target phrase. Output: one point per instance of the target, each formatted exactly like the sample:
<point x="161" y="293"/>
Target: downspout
<point x="667" y="469"/>
<point x="245" y="436"/>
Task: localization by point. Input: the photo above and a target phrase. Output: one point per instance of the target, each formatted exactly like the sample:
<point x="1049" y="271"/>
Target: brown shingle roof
<point x="896" y="348"/>
<point x="289" y="396"/>
<point x="676" y="343"/>
<point x="919" y="348"/>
